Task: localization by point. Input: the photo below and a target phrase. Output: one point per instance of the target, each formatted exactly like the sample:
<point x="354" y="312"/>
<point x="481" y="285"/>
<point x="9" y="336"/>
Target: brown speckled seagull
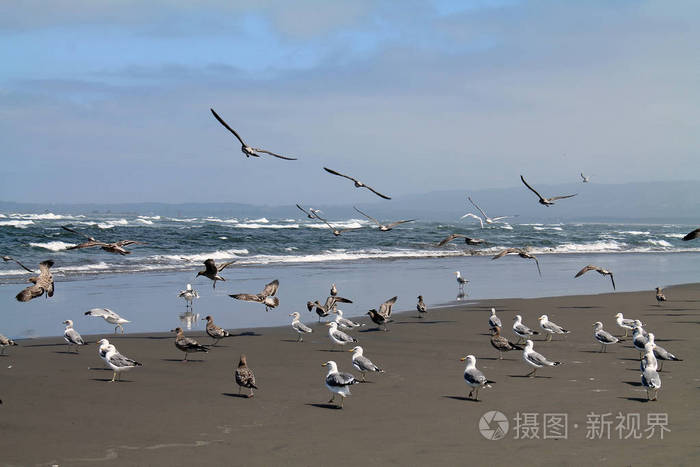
<point x="520" y="252"/>
<point x="187" y="344"/>
<point x="599" y="270"/>
<point x="244" y="376"/>
<point x="266" y="297"/>
<point x="212" y="270"/>
<point x="43" y="283"/>
<point x="214" y="331"/>
<point x="115" y="247"/>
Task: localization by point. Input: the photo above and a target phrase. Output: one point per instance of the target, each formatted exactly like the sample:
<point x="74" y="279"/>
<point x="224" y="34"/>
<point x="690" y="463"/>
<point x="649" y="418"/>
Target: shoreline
<point x="58" y="408"/>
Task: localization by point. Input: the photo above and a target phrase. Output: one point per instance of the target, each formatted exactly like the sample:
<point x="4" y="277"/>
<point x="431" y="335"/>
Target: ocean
<point x="368" y="266"/>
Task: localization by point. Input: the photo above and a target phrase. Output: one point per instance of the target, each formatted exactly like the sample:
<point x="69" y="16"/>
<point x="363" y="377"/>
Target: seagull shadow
<point x="99" y="369"/>
<point x="180" y="360"/>
<point x="233" y="394"/>
<point x="592" y="351"/>
<point x="436" y="321"/>
<point x="629" y="359"/>
<point x="686" y="322"/>
<point x="577" y="307"/>
<point x="109" y="380"/>
<point x="372" y="330"/>
<point x="289" y="340"/>
<point x="633" y="383"/>
<point x="330" y="350"/>
<point x="45" y="345"/>
<point x="462" y="398"/>
<point x="533" y="377"/>
<point x="246" y="334"/>
<point x="66" y="352"/>
<point x="325" y="406"/>
<point x="636" y="399"/>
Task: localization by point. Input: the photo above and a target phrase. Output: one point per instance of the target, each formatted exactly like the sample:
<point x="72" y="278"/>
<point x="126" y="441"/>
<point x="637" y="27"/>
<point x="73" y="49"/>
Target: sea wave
<point x="53" y="246"/>
<point x="266" y="226"/>
<point x="19" y="224"/>
<point x="200" y="257"/>
<point x="45" y="216"/>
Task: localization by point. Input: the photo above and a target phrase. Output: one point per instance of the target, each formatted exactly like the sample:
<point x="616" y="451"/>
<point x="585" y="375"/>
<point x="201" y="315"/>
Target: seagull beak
<point x="324" y="364"/>
<point x="462" y="359"/>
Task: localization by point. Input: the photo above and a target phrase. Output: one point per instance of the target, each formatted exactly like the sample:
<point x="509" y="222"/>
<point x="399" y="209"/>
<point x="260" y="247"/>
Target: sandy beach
<point x="59" y="408"/>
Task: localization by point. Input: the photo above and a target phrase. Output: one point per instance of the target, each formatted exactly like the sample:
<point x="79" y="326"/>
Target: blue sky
<point x="109" y="101"/>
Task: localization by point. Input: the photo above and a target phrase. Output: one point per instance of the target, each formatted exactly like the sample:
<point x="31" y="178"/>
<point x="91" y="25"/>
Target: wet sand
<point x="59" y="408"/>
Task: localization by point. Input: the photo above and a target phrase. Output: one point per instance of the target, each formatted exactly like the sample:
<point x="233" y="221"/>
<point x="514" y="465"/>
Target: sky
<point x="109" y="101"/>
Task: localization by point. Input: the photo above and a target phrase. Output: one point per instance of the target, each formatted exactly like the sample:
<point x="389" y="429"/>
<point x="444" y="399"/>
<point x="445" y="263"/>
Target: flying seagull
<point x="115" y="247"/>
<point x="189" y="294"/>
<point x="599" y="270"/>
<point x="311" y="213"/>
<point x="245" y="149"/>
<point x="585" y="179"/>
<point x="692" y="235"/>
<point x="520" y="252"/>
<point x="109" y="316"/>
<point x="211" y="270"/>
<point x="545" y="201"/>
<point x="358" y="184"/>
<point x="487" y="219"/>
<point x="330" y="305"/>
<point x="43" y="283"/>
<point x="336" y="232"/>
<point x="266" y="297"/>
<point x="467" y="240"/>
<point x="383" y="227"/>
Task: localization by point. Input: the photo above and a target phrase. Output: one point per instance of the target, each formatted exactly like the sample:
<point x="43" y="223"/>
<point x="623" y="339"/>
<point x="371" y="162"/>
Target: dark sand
<point x="58" y="408"/>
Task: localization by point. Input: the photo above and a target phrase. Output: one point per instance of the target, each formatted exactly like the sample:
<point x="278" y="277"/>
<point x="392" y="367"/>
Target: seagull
<point x="72" y="336"/>
<point x="266" y="297"/>
<point x="520" y="252"/>
<point x="383" y="227"/>
<point x="474" y="377"/>
<point x="43" y="283"/>
<point x="420" y="306"/>
<point x="338" y="337"/>
<point x="214" y="331"/>
<point x="692" y="235"/>
<point x="334" y="290"/>
<point x="338" y="383"/>
<point x="189" y="294"/>
<point x="660" y="353"/>
<point x="649" y="359"/>
<point x="187" y="344"/>
<point x="382" y="316"/>
<point x="362" y="363"/>
<point x="337" y="232"/>
<point x="378" y="319"/>
<point x="599" y="270"/>
<point x="211" y="270"/>
<point x="311" y="213"/>
<point x="109" y="316"/>
<point x="660" y="297"/>
<point x="522" y="331"/>
<point x="467" y="240"/>
<point x="551" y="327"/>
<point x="5" y="342"/>
<point x="639" y="339"/>
<point x="358" y="184"/>
<point x="116" y="361"/>
<point x="603" y="336"/>
<point x="344" y="322"/>
<point x="244" y="376"/>
<point x="331" y="305"/>
<point x="535" y="359"/>
<point x="115" y="247"/>
<point x="487" y="219"/>
<point x="624" y="323"/>
<point x="585" y="179"/>
<point x="245" y="149"/>
<point x="545" y="201"/>
<point x="298" y="326"/>
<point x="9" y="258"/>
<point x="650" y="376"/>
<point x="461" y="281"/>
<point x="494" y="321"/>
<point x="502" y="344"/>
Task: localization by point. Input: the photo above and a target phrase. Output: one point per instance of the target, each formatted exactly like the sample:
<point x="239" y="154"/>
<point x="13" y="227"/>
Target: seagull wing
<point x="270" y="289"/>
<point x="613" y="281"/>
<point x="385" y="308"/>
<point x="477" y="207"/>
<point x="221" y="120"/>
<point x="692" y="235"/>
<point x="469" y="214"/>
<point x="103" y="313"/>
<point x="30" y="292"/>
<point x="9" y="258"/>
<point x="128" y="242"/>
<point x="89" y="244"/>
<point x="394" y="224"/>
<point x="210" y="266"/>
<point x="449" y="238"/>
<point x="583" y="271"/>
<point x="377" y="193"/>
<point x="531" y="189"/>
<point x="273" y="154"/>
<point x="308" y="213"/>
<point x="553" y="198"/>
<point x="79" y="233"/>
<point x="505" y="252"/>
<point x="339" y="174"/>
<point x="367" y="216"/>
<point x="221" y="267"/>
<point x="248" y="297"/>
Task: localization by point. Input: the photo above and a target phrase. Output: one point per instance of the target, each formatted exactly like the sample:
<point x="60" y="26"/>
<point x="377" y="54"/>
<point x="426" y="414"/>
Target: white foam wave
<point x="19" y="224"/>
<point x="348" y="224"/>
<point x="46" y="216"/>
<point x="177" y="219"/>
<point x="53" y="246"/>
<point x="262" y="220"/>
<point x="154" y="218"/>
<point x="223" y="238"/>
<point x="200" y="257"/>
<point x="591" y="247"/>
<point x="105" y="225"/>
<point x="144" y="221"/>
<point x="3" y="216"/>
<point x="674" y="235"/>
<point x="662" y="243"/>
<point x="223" y="221"/>
<point x="266" y="226"/>
<point x="634" y="232"/>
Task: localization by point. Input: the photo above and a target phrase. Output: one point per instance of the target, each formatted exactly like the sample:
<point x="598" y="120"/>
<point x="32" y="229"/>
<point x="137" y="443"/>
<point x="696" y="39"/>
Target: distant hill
<point x="676" y="202"/>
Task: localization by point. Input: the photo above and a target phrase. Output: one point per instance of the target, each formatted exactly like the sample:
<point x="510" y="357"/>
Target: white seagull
<point x="109" y="316"/>
<point x="487" y="219"/>
<point x="660" y="353"/>
<point x="338" y="337"/>
<point x="639" y="337"/>
<point x="461" y="281"/>
<point x="494" y="321"/>
<point x="298" y="326"/>
<point x="362" y="363"/>
<point x="535" y="359"/>
<point x="474" y="377"/>
<point x="551" y="327"/>
<point x="189" y="294"/>
<point x="603" y="336"/>
<point x="338" y="383"/>
<point x="72" y="336"/>
<point x="116" y="361"/>
<point x="624" y="323"/>
<point x="344" y="322"/>
<point x="522" y="331"/>
<point x="650" y="376"/>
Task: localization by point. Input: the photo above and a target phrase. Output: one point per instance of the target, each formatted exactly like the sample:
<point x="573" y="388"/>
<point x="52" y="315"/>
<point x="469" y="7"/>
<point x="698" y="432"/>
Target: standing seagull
<point x="189" y="294"/>
<point x="467" y="240"/>
<point x="358" y="184"/>
<point x="383" y="227"/>
<point x="378" y="319"/>
<point x="43" y="283"/>
<point x="266" y="297"/>
<point x="116" y="361"/>
<point x="72" y="336"/>
<point x="603" y="336"/>
<point x="494" y="321"/>
<point x="585" y="179"/>
<point x="545" y="201"/>
<point x="245" y="149"/>
<point x="211" y="270"/>
<point x="487" y="219"/>
<point x="5" y="342"/>
<point x="461" y="281"/>
<point x="215" y="332"/>
<point x="362" y="363"/>
<point x="535" y="359"/>
<point x="187" y="344"/>
<point x="502" y="344"/>
<point x="338" y="383"/>
<point x="551" y="327"/>
<point x="520" y="252"/>
<point x="692" y="235"/>
<point x="384" y="314"/>
<point x="660" y="297"/>
<point x="109" y="316"/>
<point x="115" y="247"/>
<point x="660" y="353"/>
<point x="244" y="376"/>
<point x="474" y="377"/>
<point x="625" y="323"/>
<point x="420" y="306"/>
<point x="650" y="376"/>
<point x="344" y="322"/>
<point x="298" y="326"/>
<point x="599" y="270"/>
<point x="338" y="337"/>
<point x="522" y="331"/>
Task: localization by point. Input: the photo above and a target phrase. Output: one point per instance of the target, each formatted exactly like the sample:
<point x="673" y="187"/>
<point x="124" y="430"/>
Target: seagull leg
<point x="185" y="359"/>
<point x="115" y="328"/>
<point x="239" y="390"/>
<point x="476" y="396"/>
<point x="531" y="374"/>
<point x="251" y="393"/>
<point x="363" y="376"/>
<point x="114" y="375"/>
<point x="549" y="337"/>
<point x="661" y="365"/>
<point x="342" y="399"/>
<point x="332" y="398"/>
<point x="500" y="355"/>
